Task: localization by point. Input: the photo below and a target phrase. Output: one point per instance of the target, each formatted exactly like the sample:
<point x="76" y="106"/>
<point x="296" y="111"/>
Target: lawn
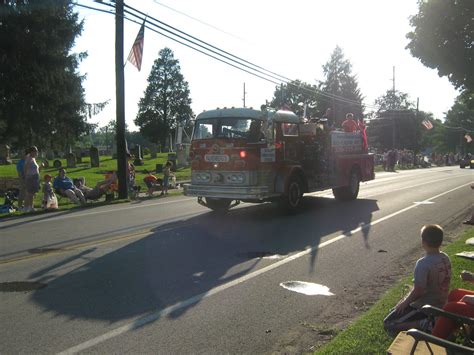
<point x="94" y="175"/>
<point x="366" y="334"/>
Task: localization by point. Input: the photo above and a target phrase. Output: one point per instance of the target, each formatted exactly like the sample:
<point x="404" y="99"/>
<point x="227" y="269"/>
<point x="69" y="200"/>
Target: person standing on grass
<point x="432" y="276"/>
<point x="167" y="174"/>
<point x="20" y="169"/>
<point x="32" y="179"/>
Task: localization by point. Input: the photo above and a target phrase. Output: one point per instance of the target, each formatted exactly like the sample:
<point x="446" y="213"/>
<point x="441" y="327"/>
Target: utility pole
<point x="120" y="101"/>
<point x="393" y="78"/>
<point x="417" y="137"/>
<point x="244" y="95"/>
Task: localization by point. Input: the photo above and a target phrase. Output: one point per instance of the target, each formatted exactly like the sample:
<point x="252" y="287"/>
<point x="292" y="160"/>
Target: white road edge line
<point x="158" y="314"/>
<point x="410" y="187"/>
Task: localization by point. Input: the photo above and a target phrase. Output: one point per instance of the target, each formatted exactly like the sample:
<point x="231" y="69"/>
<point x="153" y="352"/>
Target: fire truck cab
<point x="242" y="154"/>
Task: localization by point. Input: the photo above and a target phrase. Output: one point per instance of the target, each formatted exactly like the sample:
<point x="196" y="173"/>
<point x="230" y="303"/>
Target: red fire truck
<point x="242" y="154"/>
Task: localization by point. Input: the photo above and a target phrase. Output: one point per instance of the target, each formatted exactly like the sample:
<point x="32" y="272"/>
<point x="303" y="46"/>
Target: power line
<point x="197" y="20"/>
<point x="227" y="56"/>
<point x="178" y="41"/>
<point x="458" y="128"/>
<point x="201" y="46"/>
<point x="280" y="77"/>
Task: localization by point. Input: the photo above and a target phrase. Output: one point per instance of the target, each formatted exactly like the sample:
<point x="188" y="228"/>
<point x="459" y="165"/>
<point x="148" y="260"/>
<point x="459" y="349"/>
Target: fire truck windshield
<point x="229" y="127"/>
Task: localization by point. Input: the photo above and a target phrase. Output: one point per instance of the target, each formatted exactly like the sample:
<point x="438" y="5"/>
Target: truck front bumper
<point x="229" y="192"/>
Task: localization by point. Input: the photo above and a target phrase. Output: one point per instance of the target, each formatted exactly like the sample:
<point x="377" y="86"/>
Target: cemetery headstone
<point x="5" y="154"/>
<point x="71" y="160"/>
<point x="94" y="153"/>
<point x="49" y="155"/>
<point x="114" y="150"/>
<point x="45" y="163"/>
<point x="182" y="154"/>
<point x="57" y="164"/>
<point x="78" y="152"/>
<point x="153" y="151"/>
<point x="137" y="152"/>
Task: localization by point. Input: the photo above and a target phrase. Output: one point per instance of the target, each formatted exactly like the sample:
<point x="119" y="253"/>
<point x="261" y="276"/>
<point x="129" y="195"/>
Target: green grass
<point x="366" y="334"/>
<point x="94" y="175"/>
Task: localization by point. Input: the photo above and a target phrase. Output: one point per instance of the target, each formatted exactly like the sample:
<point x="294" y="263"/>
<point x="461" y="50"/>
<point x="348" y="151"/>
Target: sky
<point x="292" y="38"/>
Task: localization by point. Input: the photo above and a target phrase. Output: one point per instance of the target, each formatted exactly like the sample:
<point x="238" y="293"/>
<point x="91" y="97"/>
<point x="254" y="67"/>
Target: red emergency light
<point x="278" y="145"/>
<point x="243" y="154"/>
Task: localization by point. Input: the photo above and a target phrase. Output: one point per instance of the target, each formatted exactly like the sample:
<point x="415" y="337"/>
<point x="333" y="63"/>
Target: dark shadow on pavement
<point x="181" y="262"/>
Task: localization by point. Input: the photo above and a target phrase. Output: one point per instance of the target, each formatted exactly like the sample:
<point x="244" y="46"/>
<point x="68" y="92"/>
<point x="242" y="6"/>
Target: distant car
<point x="468" y="160"/>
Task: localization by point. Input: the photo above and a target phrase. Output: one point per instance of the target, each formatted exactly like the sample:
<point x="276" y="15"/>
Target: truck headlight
<point x="236" y="178"/>
<point x="202" y="177"/>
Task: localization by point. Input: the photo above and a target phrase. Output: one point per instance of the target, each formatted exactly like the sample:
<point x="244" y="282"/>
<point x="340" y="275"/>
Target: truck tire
<point x="349" y="192"/>
<point x="291" y="201"/>
<point x="218" y="204"/>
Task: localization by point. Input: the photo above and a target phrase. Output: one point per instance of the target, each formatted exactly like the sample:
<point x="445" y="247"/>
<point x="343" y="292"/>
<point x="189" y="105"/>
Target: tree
<point x="394" y="100"/>
<point x="41" y="94"/>
<point x="442" y="39"/>
<point x="459" y="121"/>
<point x="340" y="89"/>
<point x="396" y="124"/>
<point x="166" y="100"/>
<point x="295" y="96"/>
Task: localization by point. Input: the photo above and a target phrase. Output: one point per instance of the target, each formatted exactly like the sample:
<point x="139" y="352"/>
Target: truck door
<point x="291" y="140"/>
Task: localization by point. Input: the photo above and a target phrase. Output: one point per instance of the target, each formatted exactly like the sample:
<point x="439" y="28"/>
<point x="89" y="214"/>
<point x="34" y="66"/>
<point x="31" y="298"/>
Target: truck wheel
<point x="350" y="192"/>
<point x="292" y="200"/>
<point x="218" y="204"/>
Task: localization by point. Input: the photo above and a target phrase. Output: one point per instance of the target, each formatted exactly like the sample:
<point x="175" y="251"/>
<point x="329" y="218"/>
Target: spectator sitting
<point x="65" y="187"/>
<point x="470" y="221"/>
<point x="50" y="202"/>
<point x="98" y="191"/>
<point x="460" y="302"/>
<point x="151" y="182"/>
<point x="349" y="125"/>
<point x="431" y="285"/>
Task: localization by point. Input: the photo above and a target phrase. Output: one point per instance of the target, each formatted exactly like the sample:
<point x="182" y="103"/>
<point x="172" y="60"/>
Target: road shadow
<point x="179" y="263"/>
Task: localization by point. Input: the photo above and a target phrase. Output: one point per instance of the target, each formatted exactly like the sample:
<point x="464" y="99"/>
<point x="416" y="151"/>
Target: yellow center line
<point x="79" y="246"/>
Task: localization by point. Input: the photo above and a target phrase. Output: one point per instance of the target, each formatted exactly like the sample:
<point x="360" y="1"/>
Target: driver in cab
<point x="255" y="132"/>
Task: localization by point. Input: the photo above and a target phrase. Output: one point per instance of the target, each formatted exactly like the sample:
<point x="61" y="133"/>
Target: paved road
<point x="167" y="276"/>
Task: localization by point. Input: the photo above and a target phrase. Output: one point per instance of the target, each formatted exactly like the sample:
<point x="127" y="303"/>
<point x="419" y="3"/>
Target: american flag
<point x="136" y="53"/>
<point x="427" y="123"/>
